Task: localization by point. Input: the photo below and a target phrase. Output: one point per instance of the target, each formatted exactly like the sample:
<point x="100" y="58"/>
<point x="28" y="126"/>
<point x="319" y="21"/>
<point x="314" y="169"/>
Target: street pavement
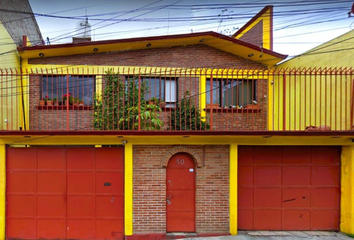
<point x="281" y="235"/>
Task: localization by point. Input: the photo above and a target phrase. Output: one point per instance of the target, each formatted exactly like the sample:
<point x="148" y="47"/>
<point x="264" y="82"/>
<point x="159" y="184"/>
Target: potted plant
<point x="253" y="105"/>
<point x="65" y="99"/>
<point x="55" y="101"/>
<point x="48" y="101"/>
<point x="41" y="102"/>
<point x="81" y="103"/>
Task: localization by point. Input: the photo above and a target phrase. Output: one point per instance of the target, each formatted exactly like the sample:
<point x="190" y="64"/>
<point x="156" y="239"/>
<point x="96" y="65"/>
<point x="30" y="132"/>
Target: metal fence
<point x="176" y="99"/>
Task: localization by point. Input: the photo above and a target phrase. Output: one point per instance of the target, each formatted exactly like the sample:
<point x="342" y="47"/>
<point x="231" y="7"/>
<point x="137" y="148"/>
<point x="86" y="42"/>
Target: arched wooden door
<point x="180" y="195"/>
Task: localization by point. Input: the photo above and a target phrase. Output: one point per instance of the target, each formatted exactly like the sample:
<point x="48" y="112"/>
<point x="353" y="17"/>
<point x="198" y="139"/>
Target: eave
<point x="212" y="39"/>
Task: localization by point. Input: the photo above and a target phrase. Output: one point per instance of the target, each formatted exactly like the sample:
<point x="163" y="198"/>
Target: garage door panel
<point x="51" y="182"/>
<point x="296" y="176"/>
<point x="21" y="182"/>
<point x="267" y="219"/>
<point x="325" y="155"/>
<point x="22" y="159"/>
<point x="21" y="228"/>
<point x="80" y="206"/>
<point x="297" y="155"/>
<point x="59" y="193"/>
<point x="80" y="182"/>
<point x="325" y="176"/>
<point x="109" y="206"/>
<point x="21" y="206"/>
<point x="51" y="229"/>
<point x="267" y="176"/>
<point x="265" y="155"/>
<point x="80" y="158"/>
<point x="325" y="220"/>
<point x="109" y="229"/>
<point x="326" y="198"/>
<point x="80" y="229"/>
<point x="264" y="198"/>
<point x="51" y="206"/>
<point x="245" y="197"/>
<point x="301" y="191"/>
<point x="109" y="159"/>
<point x="245" y="156"/>
<point x="245" y="219"/>
<point x="109" y="183"/>
<point x="245" y="175"/>
<point x="51" y="159"/>
<point x="296" y="219"/>
<point x="296" y="197"/>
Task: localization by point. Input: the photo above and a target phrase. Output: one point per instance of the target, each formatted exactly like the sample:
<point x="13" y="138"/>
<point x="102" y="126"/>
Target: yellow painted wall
<point x="128" y="189"/>
<point x="347" y="190"/>
<point x="266" y="19"/>
<point x="2" y="190"/>
<point x="316" y="99"/>
<point x="337" y="52"/>
<point x="320" y="99"/>
<point x="233" y="188"/>
<point x="9" y="84"/>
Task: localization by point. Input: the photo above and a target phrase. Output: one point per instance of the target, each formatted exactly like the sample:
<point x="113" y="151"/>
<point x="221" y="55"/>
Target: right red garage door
<point x="288" y="188"/>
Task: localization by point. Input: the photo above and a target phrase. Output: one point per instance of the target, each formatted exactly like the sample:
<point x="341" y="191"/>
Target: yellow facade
<point x="347" y="190"/>
<point x="9" y="86"/>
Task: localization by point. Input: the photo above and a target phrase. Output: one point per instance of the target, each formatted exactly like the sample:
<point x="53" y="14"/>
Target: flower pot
<point x="55" y="103"/>
<point x="213" y="105"/>
<point x="81" y="103"/>
<point x="252" y="106"/>
<point x="41" y="102"/>
<point x="49" y="103"/>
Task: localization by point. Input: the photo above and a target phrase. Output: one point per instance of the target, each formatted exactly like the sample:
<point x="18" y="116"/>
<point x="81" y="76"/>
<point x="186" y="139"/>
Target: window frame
<point x="61" y="78"/>
<point x="227" y="81"/>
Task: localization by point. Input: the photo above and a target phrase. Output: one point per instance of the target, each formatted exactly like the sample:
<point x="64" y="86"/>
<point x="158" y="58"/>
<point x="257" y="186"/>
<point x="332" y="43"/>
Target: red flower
<point x="46" y="96"/>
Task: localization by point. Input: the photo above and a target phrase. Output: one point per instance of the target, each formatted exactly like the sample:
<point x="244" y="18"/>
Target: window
<point x="231" y="92"/>
<point x="162" y="88"/>
<point x="57" y="86"/>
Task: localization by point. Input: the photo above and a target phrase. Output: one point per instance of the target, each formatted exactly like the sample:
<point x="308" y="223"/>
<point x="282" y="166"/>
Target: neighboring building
<point x="16" y="20"/>
<point x="223" y="152"/>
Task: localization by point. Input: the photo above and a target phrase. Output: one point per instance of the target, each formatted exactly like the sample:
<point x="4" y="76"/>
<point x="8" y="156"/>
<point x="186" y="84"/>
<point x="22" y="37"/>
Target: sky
<point x="298" y="25"/>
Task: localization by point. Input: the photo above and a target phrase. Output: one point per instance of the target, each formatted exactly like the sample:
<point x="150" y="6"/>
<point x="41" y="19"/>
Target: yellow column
<point x="347" y="191"/>
<point x="202" y="95"/>
<point x="233" y="189"/>
<point x="128" y="189"/>
<point x="3" y="190"/>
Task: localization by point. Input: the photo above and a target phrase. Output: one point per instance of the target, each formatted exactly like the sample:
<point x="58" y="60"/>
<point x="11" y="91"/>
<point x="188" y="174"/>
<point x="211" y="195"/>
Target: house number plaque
<point x="180" y="161"/>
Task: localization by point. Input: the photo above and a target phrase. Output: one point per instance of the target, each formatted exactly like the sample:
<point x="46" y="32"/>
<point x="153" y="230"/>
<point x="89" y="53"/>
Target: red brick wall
<point x="194" y="56"/>
<point x="188" y="56"/>
<point x="149" y="189"/>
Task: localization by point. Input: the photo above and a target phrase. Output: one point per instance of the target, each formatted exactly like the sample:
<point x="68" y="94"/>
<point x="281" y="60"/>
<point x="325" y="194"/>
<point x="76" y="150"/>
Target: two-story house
<point x="197" y="133"/>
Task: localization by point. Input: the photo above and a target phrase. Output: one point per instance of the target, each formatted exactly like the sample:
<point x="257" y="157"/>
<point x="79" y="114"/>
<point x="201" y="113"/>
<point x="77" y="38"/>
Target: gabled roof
<point x="259" y="30"/>
<point x="212" y="39"/>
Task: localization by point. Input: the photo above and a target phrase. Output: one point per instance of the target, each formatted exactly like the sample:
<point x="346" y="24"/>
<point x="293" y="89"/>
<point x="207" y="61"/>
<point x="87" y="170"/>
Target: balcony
<point x="170" y="100"/>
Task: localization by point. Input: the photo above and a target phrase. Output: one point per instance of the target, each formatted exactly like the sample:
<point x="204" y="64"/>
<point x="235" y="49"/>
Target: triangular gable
<point x="259" y="30"/>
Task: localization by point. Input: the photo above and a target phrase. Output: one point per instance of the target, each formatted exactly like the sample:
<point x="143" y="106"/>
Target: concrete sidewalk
<point x="283" y="235"/>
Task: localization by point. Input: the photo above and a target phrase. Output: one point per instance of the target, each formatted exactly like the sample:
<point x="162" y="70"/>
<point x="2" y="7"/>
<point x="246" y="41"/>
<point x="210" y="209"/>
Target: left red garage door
<point x="64" y="193"/>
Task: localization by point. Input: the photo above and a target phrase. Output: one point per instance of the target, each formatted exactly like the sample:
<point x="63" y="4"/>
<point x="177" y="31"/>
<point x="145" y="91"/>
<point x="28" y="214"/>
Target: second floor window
<point x="230" y="92"/>
<point x="164" y="89"/>
<point x="79" y="88"/>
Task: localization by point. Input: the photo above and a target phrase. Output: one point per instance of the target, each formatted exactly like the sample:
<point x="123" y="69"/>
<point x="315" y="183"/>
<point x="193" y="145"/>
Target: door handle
<point x="168" y="200"/>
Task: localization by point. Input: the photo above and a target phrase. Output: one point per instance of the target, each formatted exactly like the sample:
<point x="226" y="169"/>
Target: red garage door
<point x="64" y="193"/>
<point x="289" y="188"/>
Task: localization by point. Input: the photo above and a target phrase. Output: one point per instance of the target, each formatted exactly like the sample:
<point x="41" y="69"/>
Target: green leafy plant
<point x="187" y="116"/>
<point x="117" y="108"/>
